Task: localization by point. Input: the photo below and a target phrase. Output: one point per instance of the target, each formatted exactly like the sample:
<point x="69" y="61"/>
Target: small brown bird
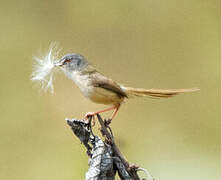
<point x="100" y="89"/>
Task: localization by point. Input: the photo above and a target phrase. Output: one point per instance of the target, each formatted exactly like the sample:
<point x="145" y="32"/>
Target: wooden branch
<point x="110" y="139"/>
<point x="105" y="156"/>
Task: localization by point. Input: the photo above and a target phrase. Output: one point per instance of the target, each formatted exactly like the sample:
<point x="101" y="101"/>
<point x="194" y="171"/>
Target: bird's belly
<point x="103" y="96"/>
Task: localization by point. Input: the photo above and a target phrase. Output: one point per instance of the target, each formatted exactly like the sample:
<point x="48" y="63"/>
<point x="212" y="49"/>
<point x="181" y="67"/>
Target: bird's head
<point x="72" y="62"/>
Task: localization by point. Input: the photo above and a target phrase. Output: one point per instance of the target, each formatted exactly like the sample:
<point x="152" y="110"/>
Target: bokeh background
<point x="146" y="43"/>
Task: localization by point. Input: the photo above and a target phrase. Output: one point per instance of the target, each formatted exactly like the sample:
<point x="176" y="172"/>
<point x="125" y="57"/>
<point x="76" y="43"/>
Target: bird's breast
<point x="83" y="82"/>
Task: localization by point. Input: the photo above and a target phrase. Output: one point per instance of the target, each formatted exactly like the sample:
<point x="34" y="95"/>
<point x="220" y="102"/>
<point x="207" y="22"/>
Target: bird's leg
<point x="115" y="111"/>
<point x="105" y="110"/>
<point x="108" y="121"/>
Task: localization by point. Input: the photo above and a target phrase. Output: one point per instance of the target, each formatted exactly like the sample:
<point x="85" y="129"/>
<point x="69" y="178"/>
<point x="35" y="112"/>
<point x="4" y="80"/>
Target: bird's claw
<point x="90" y="114"/>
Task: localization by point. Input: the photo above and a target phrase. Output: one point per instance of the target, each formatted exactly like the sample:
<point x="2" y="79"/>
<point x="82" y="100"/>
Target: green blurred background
<point x="146" y="43"/>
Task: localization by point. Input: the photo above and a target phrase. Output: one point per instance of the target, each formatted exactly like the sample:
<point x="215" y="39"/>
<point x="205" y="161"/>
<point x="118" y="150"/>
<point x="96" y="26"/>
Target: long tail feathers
<point x="161" y="93"/>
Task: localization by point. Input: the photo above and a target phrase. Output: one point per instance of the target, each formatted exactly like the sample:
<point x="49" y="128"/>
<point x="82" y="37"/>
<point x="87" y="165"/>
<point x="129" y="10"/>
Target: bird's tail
<point x="160" y="93"/>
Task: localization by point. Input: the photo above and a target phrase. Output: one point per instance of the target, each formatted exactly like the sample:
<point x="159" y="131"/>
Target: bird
<point x="103" y="90"/>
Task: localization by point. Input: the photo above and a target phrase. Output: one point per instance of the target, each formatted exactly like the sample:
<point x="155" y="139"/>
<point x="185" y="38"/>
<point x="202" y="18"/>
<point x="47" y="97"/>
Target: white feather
<point x="43" y="68"/>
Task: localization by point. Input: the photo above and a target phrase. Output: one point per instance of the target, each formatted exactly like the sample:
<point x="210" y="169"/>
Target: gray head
<point x="72" y="62"/>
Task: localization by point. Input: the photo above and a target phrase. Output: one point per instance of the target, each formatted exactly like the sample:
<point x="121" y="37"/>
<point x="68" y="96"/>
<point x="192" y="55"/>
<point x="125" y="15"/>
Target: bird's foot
<point x="89" y="114"/>
<point x="92" y="115"/>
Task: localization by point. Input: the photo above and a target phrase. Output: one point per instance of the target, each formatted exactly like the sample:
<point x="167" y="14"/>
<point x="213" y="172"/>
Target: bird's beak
<point x="59" y="62"/>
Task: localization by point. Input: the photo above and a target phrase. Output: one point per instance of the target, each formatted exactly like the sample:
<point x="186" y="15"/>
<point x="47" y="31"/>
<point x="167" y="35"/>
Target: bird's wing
<point x="101" y="81"/>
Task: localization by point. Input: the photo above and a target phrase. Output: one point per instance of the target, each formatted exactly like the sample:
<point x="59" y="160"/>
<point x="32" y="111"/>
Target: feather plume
<point x="44" y="68"/>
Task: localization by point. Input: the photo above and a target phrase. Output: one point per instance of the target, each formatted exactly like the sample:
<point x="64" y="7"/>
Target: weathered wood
<point x="105" y="157"/>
